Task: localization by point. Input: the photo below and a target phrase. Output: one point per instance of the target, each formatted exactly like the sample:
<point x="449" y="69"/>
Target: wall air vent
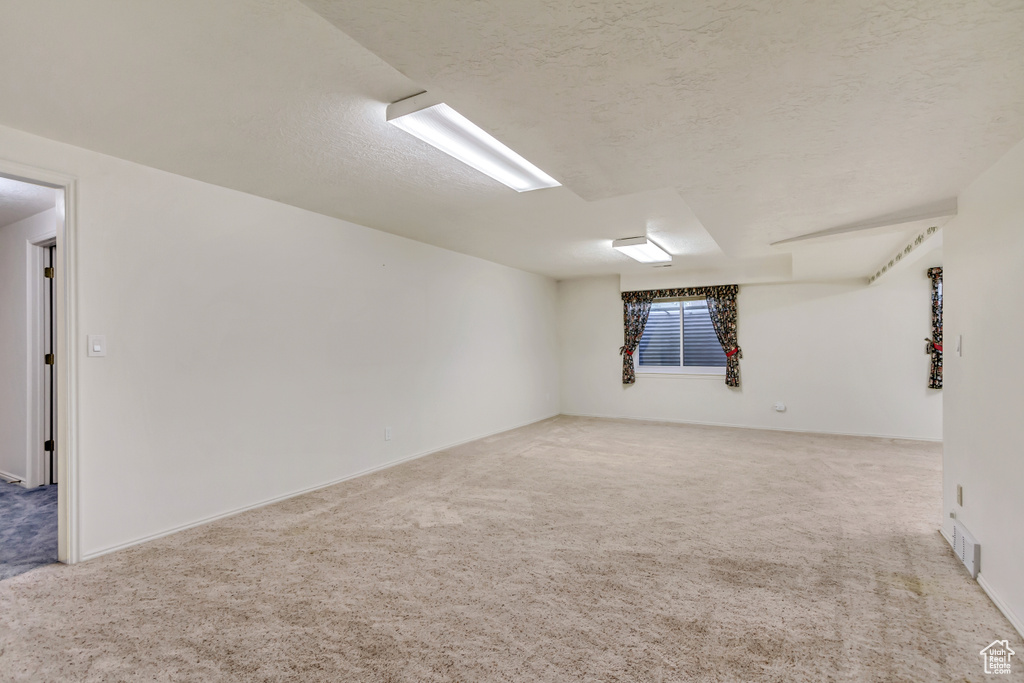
<point x="966" y="548"/>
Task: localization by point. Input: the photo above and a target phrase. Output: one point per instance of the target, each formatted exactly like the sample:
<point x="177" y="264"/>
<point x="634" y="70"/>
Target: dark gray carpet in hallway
<point x="28" y="528"/>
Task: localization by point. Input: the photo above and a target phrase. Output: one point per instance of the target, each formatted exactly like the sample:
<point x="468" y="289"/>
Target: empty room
<point x="522" y="341"/>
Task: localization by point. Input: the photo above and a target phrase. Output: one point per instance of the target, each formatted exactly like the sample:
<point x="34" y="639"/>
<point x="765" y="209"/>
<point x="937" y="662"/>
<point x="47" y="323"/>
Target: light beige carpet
<point x="573" y="549"/>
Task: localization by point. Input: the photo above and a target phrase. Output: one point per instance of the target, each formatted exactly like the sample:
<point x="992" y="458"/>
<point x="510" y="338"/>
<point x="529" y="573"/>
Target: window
<point x="680" y="338"/>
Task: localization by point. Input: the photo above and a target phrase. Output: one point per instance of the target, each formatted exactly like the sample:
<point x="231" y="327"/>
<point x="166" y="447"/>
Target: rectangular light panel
<point x="439" y="125"/>
<point x="642" y="250"/>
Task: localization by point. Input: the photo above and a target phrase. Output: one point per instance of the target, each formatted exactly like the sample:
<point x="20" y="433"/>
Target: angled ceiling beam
<point x="941" y="209"/>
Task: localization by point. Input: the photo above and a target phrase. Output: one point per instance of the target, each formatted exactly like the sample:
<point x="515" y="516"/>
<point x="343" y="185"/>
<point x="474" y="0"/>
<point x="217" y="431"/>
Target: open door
<point x="50" y="382"/>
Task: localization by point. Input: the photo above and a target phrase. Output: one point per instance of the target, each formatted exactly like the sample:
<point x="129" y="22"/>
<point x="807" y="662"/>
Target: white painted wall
<point x="844" y="357"/>
<point x="256" y="349"/>
<point x="19" y="445"/>
<point x="984" y="446"/>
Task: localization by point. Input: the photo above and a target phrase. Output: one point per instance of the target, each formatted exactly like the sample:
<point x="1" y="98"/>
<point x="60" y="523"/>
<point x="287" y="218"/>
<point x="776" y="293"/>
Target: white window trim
<point x="682" y="370"/>
<point x="699" y="370"/>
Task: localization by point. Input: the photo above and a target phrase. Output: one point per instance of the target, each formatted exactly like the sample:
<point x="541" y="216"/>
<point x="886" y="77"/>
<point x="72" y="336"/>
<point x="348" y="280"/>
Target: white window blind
<point x="680" y="334"/>
<point x="660" y="346"/>
<point x="701" y="347"/>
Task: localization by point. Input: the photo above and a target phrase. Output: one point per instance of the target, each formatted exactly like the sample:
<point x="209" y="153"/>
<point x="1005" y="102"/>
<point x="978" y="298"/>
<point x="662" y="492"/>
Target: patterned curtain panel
<point x="935" y="377"/>
<point x="721" y="306"/>
<point x="634" y="319"/>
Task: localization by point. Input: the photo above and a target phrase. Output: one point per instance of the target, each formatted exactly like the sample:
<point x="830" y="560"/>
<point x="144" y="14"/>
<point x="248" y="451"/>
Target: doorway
<point x="35" y="372"/>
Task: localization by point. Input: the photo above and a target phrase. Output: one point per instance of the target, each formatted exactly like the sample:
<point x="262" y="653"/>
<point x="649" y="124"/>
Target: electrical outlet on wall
<point x="387" y="433"/>
<point x="780" y="407"/>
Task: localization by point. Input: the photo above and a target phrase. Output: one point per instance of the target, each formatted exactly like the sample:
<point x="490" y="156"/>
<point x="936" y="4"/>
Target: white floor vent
<point x="966" y="548"/>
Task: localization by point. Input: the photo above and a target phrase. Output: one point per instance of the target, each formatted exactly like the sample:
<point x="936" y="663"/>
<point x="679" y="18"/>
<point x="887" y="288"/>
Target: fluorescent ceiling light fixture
<point x="439" y="125"/>
<point x="642" y="249"/>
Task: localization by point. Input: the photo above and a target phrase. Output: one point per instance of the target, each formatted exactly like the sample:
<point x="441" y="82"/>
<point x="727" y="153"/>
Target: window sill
<point x="680" y="374"/>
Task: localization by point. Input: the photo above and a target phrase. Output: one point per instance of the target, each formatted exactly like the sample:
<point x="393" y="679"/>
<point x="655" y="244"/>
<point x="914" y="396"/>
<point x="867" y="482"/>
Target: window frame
<point x="712" y="371"/>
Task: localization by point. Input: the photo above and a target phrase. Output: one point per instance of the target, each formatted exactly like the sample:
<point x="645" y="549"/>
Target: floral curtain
<point x="634" y="319"/>
<point x="935" y="343"/>
<point x="721" y="306"/>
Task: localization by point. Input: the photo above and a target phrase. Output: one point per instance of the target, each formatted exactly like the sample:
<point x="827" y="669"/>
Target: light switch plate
<point x="97" y="347"/>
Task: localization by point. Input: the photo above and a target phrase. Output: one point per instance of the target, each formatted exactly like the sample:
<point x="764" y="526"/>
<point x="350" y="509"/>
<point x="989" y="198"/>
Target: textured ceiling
<point x="20" y="200"/>
<point x="770" y="120"/>
<point x="718" y="129"/>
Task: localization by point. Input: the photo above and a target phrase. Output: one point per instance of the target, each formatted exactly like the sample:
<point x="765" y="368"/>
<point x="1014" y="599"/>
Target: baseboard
<point x="1001" y="604"/>
<point x="771" y="429"/>
<point x="292" y="494"/>
<point x="11" y="478"/>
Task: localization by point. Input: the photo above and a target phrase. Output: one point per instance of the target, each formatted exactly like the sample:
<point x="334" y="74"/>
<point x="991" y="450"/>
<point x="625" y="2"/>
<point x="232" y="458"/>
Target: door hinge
<point x="48" y="445"/>
<point x="48" y="272"/>
<point x="48" y="359"/>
